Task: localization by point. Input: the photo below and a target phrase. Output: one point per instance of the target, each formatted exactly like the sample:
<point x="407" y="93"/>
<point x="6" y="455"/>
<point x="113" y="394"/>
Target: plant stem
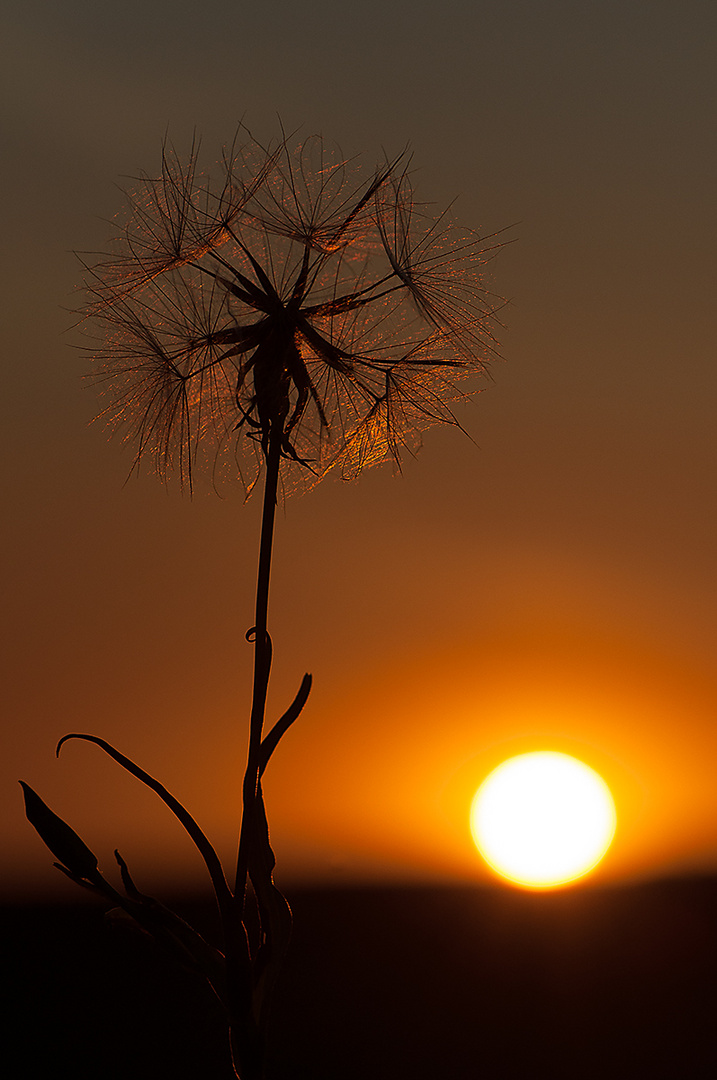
<point x="262" y="664"/>
<point x="245" y="1038"/>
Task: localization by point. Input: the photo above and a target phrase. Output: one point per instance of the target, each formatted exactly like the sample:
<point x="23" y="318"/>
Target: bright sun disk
<point x="543" y="819"/>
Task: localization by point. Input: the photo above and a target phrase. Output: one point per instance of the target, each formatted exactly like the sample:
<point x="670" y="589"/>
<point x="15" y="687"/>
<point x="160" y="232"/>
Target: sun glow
<point x="543" y="819"/>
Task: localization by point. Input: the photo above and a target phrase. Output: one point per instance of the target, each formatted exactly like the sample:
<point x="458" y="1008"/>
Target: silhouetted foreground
<point x="386" y="984"/>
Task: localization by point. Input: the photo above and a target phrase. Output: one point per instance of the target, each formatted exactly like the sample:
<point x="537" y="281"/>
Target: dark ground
<point x="390" y="983"/>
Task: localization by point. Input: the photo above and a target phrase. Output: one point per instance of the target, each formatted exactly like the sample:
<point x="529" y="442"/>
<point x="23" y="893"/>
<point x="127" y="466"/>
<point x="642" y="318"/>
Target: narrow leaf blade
<point x="62" y="840"/>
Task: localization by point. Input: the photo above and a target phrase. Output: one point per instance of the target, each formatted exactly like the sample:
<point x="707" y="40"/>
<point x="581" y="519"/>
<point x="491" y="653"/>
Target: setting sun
<point x="543" y="819"/>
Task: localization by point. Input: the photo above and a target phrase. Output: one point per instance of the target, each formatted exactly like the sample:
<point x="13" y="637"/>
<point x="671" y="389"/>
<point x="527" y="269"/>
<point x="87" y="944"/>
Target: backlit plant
<point x="288" y="315"/>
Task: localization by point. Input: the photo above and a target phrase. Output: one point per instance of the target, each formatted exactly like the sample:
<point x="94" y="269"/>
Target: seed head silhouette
<point x="289" y="293"/>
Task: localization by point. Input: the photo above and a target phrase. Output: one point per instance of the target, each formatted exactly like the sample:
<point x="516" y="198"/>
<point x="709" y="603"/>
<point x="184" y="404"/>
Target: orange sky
<point x="548" y="586"/>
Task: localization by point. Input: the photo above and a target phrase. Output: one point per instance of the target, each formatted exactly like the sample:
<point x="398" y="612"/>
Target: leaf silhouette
<point x="270" y="742"/>
<point x="62" y="840"/>
<point x="211" y="859"/>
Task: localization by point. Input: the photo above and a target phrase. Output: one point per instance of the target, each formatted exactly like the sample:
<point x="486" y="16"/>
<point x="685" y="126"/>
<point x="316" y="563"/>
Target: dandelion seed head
<point x="289" y="294"/>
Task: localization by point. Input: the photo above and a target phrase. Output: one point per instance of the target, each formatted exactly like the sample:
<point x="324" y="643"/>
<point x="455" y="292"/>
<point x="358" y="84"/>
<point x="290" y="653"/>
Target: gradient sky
<point x="550" y="585"/>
